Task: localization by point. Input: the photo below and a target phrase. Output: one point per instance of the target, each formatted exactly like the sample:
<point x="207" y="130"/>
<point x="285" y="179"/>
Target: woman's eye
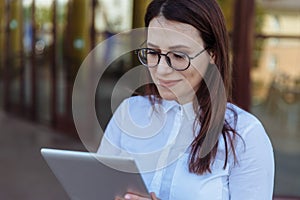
<point x="179" y="55"/>
<point x="152" y="53"/>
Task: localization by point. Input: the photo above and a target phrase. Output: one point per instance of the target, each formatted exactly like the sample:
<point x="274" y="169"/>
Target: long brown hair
<point x="206" y="16"/>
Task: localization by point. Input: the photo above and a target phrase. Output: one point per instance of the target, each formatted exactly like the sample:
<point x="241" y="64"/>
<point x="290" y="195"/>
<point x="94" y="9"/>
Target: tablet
<point x="84" y="176"/>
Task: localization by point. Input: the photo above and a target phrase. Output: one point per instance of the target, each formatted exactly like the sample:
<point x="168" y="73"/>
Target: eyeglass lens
<point x="174" y="59"/>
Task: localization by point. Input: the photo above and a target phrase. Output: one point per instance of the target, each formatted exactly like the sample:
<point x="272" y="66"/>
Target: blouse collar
<point x="187" y="109"/>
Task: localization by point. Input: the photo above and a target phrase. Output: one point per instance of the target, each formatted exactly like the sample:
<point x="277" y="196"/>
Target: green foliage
<point x="43" y="15"/>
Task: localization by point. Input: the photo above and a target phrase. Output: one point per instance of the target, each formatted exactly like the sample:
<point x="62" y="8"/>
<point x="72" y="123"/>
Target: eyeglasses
<point x="177" y="60"/>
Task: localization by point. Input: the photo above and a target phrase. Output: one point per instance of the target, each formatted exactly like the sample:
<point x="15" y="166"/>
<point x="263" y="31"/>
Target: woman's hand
<point x="130" y="196"/>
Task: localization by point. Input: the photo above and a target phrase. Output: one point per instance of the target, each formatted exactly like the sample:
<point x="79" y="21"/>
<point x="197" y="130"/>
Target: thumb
<point x="153" y="196"/>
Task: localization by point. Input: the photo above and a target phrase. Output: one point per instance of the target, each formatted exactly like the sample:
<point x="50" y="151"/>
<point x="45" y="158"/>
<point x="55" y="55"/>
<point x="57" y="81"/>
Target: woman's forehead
<point x="163" y="23"/>
<point x="165" y="32"/>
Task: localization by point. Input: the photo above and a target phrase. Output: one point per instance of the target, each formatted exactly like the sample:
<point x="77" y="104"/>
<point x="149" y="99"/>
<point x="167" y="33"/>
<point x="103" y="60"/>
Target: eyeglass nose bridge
<point x="167" y="58"/>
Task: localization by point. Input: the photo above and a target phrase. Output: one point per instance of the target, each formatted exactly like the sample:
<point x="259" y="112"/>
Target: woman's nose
<point x="163" y="66"/>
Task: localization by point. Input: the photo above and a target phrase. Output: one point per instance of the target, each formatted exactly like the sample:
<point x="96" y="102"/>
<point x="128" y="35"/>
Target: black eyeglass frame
<point x="168" y="60"/>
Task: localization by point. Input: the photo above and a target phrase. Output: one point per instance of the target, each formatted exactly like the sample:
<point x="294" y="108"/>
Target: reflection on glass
<point x="113" y="15"/>
<point x="276" y="101"/>
<point x="276" y="94"/>
<point x="282" y="58"/>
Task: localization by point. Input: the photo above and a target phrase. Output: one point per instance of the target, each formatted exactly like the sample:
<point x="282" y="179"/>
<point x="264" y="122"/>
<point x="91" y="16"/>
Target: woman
<point x="188" y="140"/>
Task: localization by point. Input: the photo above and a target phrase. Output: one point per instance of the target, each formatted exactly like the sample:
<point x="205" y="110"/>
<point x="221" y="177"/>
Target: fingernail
<point x="127" y="196"/>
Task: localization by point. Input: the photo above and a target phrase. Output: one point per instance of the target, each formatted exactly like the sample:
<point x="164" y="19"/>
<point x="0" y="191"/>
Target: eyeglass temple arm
<point x="198" y="53"/>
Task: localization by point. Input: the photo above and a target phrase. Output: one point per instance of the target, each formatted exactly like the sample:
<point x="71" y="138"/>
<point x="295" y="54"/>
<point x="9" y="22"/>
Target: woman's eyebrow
<point x="180" y="46"/>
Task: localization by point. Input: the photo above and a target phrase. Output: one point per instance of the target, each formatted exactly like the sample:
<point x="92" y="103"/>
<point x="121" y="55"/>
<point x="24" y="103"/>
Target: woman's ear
<point x="212" y="57"/>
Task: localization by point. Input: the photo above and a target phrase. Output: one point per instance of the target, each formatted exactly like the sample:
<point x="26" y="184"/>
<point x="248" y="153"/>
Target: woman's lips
<point x="167" y="83"/>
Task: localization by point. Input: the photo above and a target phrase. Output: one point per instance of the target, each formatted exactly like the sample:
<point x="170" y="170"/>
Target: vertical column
<point x="78" y="42"/>
<point x="15" y="50"/>
<point x="53" y="76"/>
<point x="33" y="64"/>
<point x="243" y="35"/>
<point x="6" y="72"/>
<point x="2" y="54"/>
<point x="139" y="10"/>
<point x="22" y="59"/>
<point x="93" y="28"/>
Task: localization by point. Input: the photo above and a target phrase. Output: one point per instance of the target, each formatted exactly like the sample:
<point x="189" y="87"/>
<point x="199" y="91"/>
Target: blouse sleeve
<point x="252" y="177"/>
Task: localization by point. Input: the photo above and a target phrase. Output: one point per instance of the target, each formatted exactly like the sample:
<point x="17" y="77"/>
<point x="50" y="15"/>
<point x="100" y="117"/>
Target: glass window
<point x="276" y="95"/>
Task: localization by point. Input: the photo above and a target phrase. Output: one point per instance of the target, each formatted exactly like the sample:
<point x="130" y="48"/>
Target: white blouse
<point x="158" y="138"/>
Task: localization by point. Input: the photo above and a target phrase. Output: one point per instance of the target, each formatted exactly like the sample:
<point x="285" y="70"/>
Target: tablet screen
<point x="84" y="175"/>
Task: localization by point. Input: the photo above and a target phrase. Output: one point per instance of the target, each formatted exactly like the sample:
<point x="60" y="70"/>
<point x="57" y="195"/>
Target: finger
<point x="153" y="196"/>
<point x="134" y="197"/>
<point x="118" y="198"/>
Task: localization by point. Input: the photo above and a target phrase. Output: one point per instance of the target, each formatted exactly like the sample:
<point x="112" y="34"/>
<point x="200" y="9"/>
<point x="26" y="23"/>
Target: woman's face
<point x="165" y="36"/>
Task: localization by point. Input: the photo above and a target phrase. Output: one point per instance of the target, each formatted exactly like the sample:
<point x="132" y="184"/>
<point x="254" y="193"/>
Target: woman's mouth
<point x="167" y="83"/>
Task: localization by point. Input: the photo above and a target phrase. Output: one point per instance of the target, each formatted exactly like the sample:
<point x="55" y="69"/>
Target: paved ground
<point x="25" y="175"/>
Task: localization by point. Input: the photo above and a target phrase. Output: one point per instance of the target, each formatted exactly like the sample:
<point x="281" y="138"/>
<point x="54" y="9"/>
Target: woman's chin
<point x="168" y="95"/>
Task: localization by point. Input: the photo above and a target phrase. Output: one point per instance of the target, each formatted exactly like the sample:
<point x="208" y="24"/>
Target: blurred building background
<point x="44" y="42"/>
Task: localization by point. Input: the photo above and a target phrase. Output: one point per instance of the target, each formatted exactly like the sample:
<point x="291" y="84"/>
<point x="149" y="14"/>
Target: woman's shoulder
<point x="248" y="126"/>
<point x="240" y="118"/>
